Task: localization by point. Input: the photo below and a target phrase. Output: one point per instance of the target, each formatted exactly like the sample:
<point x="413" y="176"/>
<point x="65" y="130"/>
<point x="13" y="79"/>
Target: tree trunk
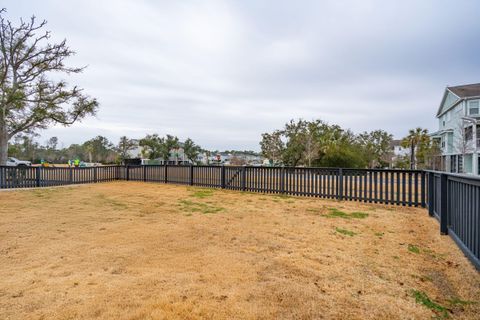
<point x="3" y="146"/>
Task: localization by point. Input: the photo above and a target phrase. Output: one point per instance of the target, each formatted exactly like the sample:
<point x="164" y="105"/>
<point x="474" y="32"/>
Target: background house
<point x="459" y="129"/>
<point x="177" y="156"/>
<point x="397" y="153"/>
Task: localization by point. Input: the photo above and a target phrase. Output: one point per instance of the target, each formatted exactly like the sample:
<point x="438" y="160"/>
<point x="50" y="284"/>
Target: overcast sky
<point x="223" y="72"/>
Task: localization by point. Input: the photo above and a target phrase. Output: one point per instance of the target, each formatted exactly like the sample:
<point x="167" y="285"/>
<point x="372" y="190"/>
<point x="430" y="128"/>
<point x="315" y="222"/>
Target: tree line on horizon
<point x="100" y="149"/>
<point x="317" y="143"/>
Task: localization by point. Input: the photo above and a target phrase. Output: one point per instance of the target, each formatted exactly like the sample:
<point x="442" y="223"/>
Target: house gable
<point x="449" y="100"/>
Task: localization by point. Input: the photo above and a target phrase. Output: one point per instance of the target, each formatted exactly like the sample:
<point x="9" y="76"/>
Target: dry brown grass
<point x="129" y="250"/>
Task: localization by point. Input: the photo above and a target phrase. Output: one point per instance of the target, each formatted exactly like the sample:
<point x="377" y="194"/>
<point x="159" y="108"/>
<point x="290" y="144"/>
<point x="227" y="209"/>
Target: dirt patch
<point x="129" y="250"/>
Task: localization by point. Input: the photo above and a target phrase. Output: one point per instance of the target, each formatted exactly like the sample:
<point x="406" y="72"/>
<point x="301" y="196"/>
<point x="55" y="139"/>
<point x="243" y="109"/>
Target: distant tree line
<point x="317" y="143"/>
<point x="100" y="149"/>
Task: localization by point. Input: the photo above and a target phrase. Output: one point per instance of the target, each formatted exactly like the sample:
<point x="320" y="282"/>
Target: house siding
<point x="456" y="154"/>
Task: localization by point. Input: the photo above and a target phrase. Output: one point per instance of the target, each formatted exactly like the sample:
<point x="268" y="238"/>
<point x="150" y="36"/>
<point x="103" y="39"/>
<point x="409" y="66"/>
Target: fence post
<point x="144" y="173"/>
<point x="127" y="173"/>
<point x="70" y="175"/>
<point x="95" y="178"/>
<point x="191" y="174"/>
<point x="244" y="178"/>
<point x="223" y="177"/>
<point x="422" y="191"/>
<point x="2" y="174"/>
<point x="444" y="204"/>
<point x="38" y="176"/>
<point x="165" y="173"/>
<point x="282" y="180"/>
<point x="431" y="194"/>
<point x="340" y="184"/>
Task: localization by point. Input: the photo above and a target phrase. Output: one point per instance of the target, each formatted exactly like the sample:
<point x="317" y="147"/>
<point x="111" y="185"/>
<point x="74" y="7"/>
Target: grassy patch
<point x="423" y="299"/>
<point x="458" y="301"/>
<point x="413" y="248"/>
<point x="335" y="213"/>
<point x="202" y="193"/>
<point x="205" y="208"/>
<point x="345" y="232"/>
<point x="433" y="254"/>
<point x="379" y="234"/>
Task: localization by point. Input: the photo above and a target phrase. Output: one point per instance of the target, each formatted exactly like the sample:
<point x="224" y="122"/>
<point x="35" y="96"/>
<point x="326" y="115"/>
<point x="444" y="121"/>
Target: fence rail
<point x="453" y="199"/>
<point x="400" y="187"/>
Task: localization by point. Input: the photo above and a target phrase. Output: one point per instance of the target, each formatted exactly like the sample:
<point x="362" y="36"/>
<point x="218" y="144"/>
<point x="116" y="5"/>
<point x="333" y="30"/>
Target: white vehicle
<point x="14" y="162"/>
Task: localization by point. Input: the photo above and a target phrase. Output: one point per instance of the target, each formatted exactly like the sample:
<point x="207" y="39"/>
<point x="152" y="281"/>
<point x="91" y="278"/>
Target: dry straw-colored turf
<point x="130" y="250"/>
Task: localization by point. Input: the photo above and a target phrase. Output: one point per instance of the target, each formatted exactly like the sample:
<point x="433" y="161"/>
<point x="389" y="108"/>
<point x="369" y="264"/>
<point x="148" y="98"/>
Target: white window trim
<point x="471" y="107"/>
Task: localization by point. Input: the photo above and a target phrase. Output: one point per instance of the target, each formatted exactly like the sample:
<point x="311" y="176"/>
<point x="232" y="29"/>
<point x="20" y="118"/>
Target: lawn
<point x="132" y="250"/>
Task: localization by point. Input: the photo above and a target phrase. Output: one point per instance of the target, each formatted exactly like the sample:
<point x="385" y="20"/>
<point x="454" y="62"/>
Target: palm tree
<point x="416" y="137"/>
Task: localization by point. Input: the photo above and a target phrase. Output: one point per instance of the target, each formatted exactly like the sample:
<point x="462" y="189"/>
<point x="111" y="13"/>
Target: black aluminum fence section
<point x="455" y="201"/>
<point x="18" y="177"/>
<point x="398" y="187"/>
<point x="30" y="177"/>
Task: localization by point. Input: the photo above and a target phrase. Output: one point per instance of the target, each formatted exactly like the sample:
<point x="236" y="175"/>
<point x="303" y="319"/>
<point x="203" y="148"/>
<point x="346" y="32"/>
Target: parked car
<point x="14" y="162"/>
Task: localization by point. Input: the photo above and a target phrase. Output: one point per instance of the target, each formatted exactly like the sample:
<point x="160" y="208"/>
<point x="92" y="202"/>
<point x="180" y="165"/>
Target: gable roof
<point x="466" y="91"/>
<point x="454" y="95"/>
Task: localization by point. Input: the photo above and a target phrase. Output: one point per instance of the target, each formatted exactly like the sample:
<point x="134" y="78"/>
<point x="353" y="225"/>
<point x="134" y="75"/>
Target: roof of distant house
<point x="395" y="143"/>
<point x="466" y="91"/>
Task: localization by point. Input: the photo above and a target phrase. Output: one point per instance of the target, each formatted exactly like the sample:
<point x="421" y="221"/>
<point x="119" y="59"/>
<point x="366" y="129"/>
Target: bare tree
<point x="463" y="142"/>
<point x="29" y="100"/>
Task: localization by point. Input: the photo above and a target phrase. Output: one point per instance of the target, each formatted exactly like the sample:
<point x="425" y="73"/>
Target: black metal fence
<point x="31" y="177"/>
<point x="400" y="187"/>
<point x="455" y="201"/>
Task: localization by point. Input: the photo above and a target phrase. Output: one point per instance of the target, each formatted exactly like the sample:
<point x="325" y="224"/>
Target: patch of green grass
<point x="205" y="208"/>
<point x="379" y="234"/>
<point x="335" y="213"/>
<point x="201" y="193"/>
<point x="458" y="301"/>
<point x="345" y="232"/>
<point x="423" y="299"/>
<point x="413" y="248"/>
<point x="433" y="254"/>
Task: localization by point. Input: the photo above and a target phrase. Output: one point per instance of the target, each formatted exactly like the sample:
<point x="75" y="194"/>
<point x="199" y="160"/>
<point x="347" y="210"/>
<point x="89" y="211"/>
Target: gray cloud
<point x="223" y="72"/>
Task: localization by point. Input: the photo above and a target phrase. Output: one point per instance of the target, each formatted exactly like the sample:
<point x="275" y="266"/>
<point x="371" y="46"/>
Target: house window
<point x="474" y="107"/>
<point x="478" y="138"/>
<point x="468" y="133"/>
<point x="460" y="163"/>
<point x="453" y="164"/>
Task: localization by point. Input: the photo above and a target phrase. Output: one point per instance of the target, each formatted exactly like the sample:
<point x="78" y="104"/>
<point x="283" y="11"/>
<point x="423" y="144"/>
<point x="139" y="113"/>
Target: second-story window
<point x="474" y="107"/>
<point x="469" y="133"/>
